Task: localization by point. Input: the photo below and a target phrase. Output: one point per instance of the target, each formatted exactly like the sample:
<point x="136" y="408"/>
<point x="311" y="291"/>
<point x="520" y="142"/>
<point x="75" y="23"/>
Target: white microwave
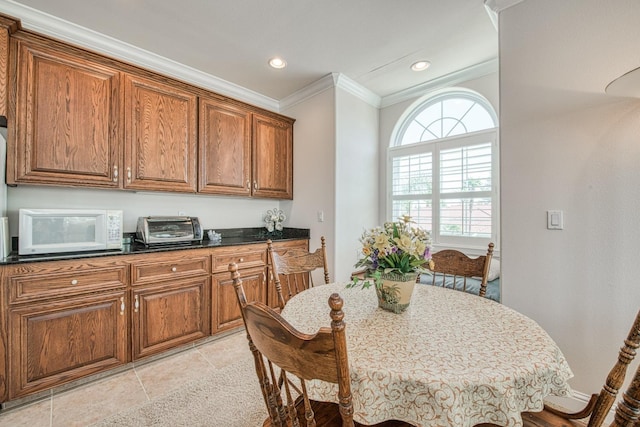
<point x="45" y="231"/>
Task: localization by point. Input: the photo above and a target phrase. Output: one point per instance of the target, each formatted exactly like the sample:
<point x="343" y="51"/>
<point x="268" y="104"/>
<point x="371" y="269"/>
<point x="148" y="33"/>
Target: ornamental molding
<point x="473" y="72"/>
<point x="499" y="5"/>
<point x="43" y="23"/>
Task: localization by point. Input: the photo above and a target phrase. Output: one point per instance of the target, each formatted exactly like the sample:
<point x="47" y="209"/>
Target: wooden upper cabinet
<point x="160" y="129"/>
<point x="67" y="114"/>
<point x="272" y="147"/>
<point x="225" y="148"/>
<point x="7" y="26"/>
<point x="78" y="118"/>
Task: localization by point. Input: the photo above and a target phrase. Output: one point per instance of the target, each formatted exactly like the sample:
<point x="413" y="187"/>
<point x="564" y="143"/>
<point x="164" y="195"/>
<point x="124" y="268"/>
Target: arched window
<point x="443" y="168"/>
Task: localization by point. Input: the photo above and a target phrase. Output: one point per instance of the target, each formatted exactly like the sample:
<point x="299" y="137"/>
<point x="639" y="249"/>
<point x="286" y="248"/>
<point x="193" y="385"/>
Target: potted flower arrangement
<point x="394" y="255"/>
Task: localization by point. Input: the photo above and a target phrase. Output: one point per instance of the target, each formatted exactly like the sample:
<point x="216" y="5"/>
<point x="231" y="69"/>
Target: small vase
<point x="395" y="291"/>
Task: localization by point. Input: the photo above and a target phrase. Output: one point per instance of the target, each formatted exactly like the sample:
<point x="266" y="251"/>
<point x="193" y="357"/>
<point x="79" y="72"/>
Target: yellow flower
<point x="366" y="251"/>
<point x="381" y="242"/>
<point x="404" y="243"/>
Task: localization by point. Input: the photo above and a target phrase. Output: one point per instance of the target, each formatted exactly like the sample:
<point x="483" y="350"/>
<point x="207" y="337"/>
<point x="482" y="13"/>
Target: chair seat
<point x="328" y="415"/>
<point x="548" y="419"/>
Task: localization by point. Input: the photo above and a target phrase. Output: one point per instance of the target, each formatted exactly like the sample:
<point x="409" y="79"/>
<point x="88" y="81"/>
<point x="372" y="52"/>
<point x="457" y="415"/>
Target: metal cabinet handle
<point x="121" y="306"/>
<point x="264" y="277"/>
<point x="136" y="304"/>
<point x="248" y="185"/>
<point x="241" y="260"/>
<point x="115" y="173"/>
<point x="128" y="174"/>
<point x="174" y="269"/>
<point x="74" y="282"/>
<point x="255" y="185"/>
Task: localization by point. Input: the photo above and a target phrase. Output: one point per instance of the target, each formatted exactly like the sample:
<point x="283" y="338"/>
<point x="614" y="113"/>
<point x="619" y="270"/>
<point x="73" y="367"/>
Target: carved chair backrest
<point x="628" y="409"/>
<point x="291" y="269"/>
<point x="604" y="400"/>
<point x="454" y="267"/>
<point x="275" y="343"/>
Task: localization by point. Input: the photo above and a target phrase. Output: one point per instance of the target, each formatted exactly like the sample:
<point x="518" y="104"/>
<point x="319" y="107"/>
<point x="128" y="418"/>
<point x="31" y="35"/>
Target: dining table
<point x="451" y="359"/>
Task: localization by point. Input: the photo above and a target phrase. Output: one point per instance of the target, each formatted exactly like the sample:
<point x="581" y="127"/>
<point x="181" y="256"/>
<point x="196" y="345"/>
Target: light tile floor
<point x="97" y="400"/>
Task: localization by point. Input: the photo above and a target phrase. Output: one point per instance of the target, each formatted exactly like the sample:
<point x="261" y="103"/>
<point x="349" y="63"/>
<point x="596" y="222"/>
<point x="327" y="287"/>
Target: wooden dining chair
<point x="454" y="268"/>
<point x="596" y="410"/>
<point x="293" y="267"/>
<point x="285" y="357"/>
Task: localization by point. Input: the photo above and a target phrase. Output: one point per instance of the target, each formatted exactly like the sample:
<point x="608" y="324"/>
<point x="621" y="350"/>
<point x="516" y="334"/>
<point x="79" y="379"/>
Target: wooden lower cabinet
<point x="225" y="309"/>
<point x="61" y="321"/>
<point x="169" y="314"/>
<point x="55" y="342"/>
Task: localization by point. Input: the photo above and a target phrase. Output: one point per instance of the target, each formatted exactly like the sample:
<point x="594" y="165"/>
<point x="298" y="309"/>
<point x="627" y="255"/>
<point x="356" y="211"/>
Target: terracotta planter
<point x="395" y="291"/>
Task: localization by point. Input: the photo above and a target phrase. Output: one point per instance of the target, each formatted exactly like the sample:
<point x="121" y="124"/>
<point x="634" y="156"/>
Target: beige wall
<point x="356" y="188"/>
<point x="314" y="170"/>
<point x="567" y="145"/>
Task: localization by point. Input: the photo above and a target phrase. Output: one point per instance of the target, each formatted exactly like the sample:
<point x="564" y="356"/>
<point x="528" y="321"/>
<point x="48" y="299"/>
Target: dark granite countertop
<point x="230" y="237"/>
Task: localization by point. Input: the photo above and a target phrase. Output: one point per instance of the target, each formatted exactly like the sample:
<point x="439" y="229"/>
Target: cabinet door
<point x="160" y="127"/>
<point x="225" y="148"/>
<point x="56" y="342"/>
<point x="226" y="312"/>
<point x="272" y="157"/>
<point x="68" y="109"/>
<point x="170" y="314"/>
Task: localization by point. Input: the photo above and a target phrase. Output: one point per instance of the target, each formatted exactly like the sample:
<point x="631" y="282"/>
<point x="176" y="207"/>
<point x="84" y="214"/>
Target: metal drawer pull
<point x="255" y="185"/>
<point x="115" y="173"/>
<point x="121" y="306"/>
<point x="129" y="174"/>
<point x="74" y="282"/>
<point x="174" y="269"/>
<point x="248" y="185"/>
<point x="241" y="260"/>
<point x="136" y="304"/>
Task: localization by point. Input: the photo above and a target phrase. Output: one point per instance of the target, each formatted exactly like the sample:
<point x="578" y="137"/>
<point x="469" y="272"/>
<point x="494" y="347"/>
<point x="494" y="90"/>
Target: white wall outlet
<point x="320" y="216"/>
<point x="182" y="213"/>
<point x="555" y="220"/>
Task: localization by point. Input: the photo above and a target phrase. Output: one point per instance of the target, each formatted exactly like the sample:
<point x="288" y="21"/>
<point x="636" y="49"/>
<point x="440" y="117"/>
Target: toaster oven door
<point x="169" y="229"/>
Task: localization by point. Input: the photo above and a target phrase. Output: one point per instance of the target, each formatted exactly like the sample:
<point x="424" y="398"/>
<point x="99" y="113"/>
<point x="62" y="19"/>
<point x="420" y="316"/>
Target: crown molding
<point x="319" y="86"/>
<point x="43" y="23"/>
<point x="329" y="81"/>
<point x="498" y="6"/>
<point x="345" y="83"/>
<point x="451" y="79"/>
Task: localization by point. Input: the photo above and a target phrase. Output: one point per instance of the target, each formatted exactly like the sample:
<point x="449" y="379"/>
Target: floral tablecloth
<point x="452" y="359"/>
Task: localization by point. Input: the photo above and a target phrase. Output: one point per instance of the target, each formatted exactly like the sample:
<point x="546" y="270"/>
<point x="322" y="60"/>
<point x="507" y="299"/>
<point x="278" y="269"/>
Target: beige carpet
<point x="229" y="397"/>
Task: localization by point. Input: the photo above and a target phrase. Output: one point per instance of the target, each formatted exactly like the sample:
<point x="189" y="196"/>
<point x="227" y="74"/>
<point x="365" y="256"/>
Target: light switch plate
<point x="555" y="220"/>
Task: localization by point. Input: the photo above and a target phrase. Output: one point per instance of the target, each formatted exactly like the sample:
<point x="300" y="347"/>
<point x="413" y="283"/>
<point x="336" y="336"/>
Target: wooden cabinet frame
<point x="78" y="118"/>
<point x="48" y="345"/>
<point x="119" y="309"/>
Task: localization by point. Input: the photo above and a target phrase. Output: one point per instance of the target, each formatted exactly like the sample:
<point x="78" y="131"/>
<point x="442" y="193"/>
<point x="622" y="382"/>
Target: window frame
<point x="435" y="146"/>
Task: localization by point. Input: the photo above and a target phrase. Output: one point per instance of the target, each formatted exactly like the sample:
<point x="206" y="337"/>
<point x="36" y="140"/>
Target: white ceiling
<point x="372" y="42"/>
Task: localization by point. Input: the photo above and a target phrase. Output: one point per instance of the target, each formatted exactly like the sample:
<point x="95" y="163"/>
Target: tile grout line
<point x="144" y="389"/>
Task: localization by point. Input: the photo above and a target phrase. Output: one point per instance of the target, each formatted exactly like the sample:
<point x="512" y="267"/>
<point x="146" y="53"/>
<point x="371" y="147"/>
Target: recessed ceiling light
<point x="420" y="65"/>
<point x="277" y="62"/>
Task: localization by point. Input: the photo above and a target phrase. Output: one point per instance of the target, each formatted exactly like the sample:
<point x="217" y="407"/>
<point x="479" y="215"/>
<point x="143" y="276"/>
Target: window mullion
<point x="435" y="199"/>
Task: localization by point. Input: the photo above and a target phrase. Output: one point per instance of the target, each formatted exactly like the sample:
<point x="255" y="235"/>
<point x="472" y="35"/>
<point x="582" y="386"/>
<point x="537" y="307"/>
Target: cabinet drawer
<point x="255" y="256"/>
<point x="39" y="286"/>
<point x="171" y="268"/>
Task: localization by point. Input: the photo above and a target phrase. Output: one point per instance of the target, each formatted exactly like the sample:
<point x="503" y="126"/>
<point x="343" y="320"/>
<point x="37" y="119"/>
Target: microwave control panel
<point x="114" y="229"/>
